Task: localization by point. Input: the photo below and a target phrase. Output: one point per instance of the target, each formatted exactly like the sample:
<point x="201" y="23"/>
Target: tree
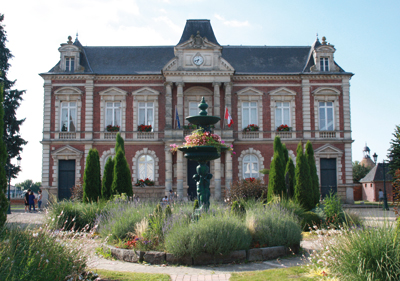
<point x="119" y="144"/>
<point x="290" y="170"/>
<point x="276" y="184"/>
<point x="91" y="177"/>
<point x="359" y="171"/>
<point x="122" y="175"/>
<point x="395" y="151"/>
<point x="285" y="154"/>
<point x="108" y="175"/>
<point x="313" y="172"/>
<point x="303" y="193"/>
<point x="278" y="147"/>
<point x="29" y="184"/>
<point x="12" y="100"/>
<point x="3" y="158"/>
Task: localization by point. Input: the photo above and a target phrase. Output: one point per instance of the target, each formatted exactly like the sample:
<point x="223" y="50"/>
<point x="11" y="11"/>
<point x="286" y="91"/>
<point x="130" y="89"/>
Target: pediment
<point x="68" y="91"/>
<point x="69" y="48"/>
<point x="145" y="91"/>
<point x="249" y="91"/>
<point x="282" y="91"/>
<point x="325" y="49"/>
<point x="328" y="149"/>
<point x="67" y="151"/>
<point x="113" y="91"/>
<point x="326" y="91"/>
<point x="198" y="91"/>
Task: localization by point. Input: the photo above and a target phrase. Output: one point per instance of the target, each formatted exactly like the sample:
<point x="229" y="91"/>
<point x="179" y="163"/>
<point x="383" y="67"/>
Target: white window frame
<point x="70" y="64"/>
<point x="67" y="105"/>
<point x="146" y="162"/>
<point x="325" y="107"/>
<point x="135" y="162"/>
<point x="251" y="163"/>
<point x="113" y="108"/>
<point x="193" y="108"/>
<point x="281" y="105"/>
<point x="194" y="95"/>
<point x="250" y="94"/>
<point x="283" y="94"/>
<point x="145" y="94"/>
<point x="248" y="105"/>
<point x="326" y="94"/>
<point x="112" y="94"/>
<point x="254" y="152"/>
<point x="324" y="63"/>
<point x="146" y="107"/>
<point x="67" y="94"/>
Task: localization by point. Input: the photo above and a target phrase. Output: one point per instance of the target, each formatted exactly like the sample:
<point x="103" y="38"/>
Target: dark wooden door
<point x="191" y="171"/>
<point x="66" y="178"/>
<point x="328" y="176"/>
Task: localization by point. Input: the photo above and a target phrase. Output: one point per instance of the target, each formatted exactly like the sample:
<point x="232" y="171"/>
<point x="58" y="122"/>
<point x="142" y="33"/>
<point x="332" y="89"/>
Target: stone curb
<point x="154" y="257"/>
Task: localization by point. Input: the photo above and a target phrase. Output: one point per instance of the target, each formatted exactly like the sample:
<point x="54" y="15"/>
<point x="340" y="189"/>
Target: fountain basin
<point x="204" y="120"/>
<point x="202" y="153"/>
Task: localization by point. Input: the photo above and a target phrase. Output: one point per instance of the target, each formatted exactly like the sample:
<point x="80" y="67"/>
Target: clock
<point x="198" y="60"/>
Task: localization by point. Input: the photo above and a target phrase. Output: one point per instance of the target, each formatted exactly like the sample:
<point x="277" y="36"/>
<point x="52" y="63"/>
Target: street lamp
<point x="9" y="183"/>
<point x="385" y="204"/>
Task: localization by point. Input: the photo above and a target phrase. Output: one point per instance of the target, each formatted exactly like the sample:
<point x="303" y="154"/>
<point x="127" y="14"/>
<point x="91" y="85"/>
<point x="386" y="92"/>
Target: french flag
<point x="228" y="117"/>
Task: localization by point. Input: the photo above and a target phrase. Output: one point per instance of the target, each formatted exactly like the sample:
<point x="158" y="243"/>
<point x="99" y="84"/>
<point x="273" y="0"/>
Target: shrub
<point x="237" y="208"/>
<point x="122" y="175"/>
<point x="361" y="254"/>
<point x="309" y="219"/>
<point x="69" y="215"/>
<point x="290" y="205"/>
<point x="273" y="226"/>
<point x="77" y="191"/>
<point x="214" y="235"/>
<point x="26" y="255"/>
<point x="108" y="175"/>
<point x="119" y="143"/>
<point x="91" y="177"/>
<point x="352" y="218"/>
<point x="276" y="184"/>
<point x="290" y="170"/>
<point x="196" y="205"/>
<point x="248" y="189"/>
<point x="303" y="192"/>
<point x="313" y="172"/>
<point x="3" y="154"/>
<point x="333" y="209"/>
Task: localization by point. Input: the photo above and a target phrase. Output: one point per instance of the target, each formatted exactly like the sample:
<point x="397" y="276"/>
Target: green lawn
<point x="130" y="276"/>
<point x="281" y="274"/>
<point x="372" y="203"/>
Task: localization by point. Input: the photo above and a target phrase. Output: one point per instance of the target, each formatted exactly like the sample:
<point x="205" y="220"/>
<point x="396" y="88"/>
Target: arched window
<point x="250" y="166"/>
<point x="146" y="167"/>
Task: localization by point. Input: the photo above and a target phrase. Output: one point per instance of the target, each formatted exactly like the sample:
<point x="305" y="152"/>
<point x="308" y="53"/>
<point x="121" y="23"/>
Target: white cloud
<point x="232" y="23"/>
<point x="169" y="23"/>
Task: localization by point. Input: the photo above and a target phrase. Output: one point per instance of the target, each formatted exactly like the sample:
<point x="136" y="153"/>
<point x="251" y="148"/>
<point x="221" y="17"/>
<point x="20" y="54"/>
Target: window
<point x="324" y="64"/>
<point x="146" y="167"/>
<point x="146" y="113"/>
<point x="113" y="114"/>
<point x="193" y="108"/>
<point x="249" y="113"/>
<point x="282" y="114"/>
<point x="68" y="117"/>
<point x="69" y="64"/>
<point x="250" y="166"/>
<point x="326" y="116"/>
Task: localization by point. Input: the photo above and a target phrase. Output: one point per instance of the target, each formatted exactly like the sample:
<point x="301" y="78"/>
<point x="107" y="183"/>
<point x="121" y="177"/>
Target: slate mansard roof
<point x="140" y="60"/>
<point x="376" y="174"/>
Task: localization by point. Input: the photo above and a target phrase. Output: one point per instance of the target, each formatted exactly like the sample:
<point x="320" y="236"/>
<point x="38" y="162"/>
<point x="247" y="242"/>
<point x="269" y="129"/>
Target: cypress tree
<point x="285" y="153"/>
<point x="276" y="184"/>
<point x="278" y="147"/>
<point x="313" y="172"/>
<point x="3" y="158"/>
<point x="106" y="190"/>
<point x="302" y="191"/>
<point x="290" y="169"/>
<point x="122" y="175"/>
<point x="91" y="177"/>
<point x="119" y="144"/>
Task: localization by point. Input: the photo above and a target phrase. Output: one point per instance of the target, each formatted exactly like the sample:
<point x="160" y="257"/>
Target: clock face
<point x="198" y="60"/>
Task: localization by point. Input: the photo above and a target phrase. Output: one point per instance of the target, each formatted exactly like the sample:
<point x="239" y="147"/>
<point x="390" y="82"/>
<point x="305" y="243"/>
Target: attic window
<point x="324" y="64"/>
<point x="69" y="64"/>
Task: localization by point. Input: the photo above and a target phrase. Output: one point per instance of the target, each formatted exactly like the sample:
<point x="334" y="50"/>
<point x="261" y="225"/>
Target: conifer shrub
<point x="119" y="143"/>
<point x="91" y="177"/>
<point x="3" y="157"/>
<point x="276" y="184"/>
<point x="122" y="175"/>
<point x="108" y="176"/>
<point x="303" y="192"/>
<point x="248" y="189"/>
<point x="278" y="147"/>
<point x="290" y="170"/>
<point x="285" y="154"/>
<point x="313" y="172"/>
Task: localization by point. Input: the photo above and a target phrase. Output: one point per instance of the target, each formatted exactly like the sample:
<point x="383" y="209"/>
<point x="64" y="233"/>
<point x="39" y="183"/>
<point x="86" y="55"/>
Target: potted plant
<point x="146" y="182"/>
<point x="251" y="128"/>
<point x="111" y="128"/>
<point x="283" y="128"/>
<point x="144" y="128"/>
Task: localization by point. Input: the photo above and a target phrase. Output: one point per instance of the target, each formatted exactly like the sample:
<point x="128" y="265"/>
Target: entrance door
<point x="328" y="176"/>
<point x="66" y="178"/>
<point x="191" y="171"/>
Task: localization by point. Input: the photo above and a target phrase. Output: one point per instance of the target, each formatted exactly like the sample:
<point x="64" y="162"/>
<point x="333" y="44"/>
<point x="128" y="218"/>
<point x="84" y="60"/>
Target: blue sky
<point x="364" y="33"/>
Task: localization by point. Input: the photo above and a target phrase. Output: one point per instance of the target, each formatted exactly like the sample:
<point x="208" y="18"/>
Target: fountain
<point x="203" y="153"/>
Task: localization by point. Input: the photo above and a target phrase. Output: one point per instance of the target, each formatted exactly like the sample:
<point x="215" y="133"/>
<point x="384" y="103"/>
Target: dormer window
<point x="324" y="64"/>
<point x="69" y="64"/>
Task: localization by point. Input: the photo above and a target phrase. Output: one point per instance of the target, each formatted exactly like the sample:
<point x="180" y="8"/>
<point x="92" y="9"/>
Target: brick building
<point x="93" y="87"/>
<point x="373" y="182"/>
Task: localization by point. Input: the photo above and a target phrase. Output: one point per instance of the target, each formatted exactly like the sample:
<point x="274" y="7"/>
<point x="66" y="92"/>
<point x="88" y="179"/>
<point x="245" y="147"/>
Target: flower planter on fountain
<point x="203" y="153"/>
